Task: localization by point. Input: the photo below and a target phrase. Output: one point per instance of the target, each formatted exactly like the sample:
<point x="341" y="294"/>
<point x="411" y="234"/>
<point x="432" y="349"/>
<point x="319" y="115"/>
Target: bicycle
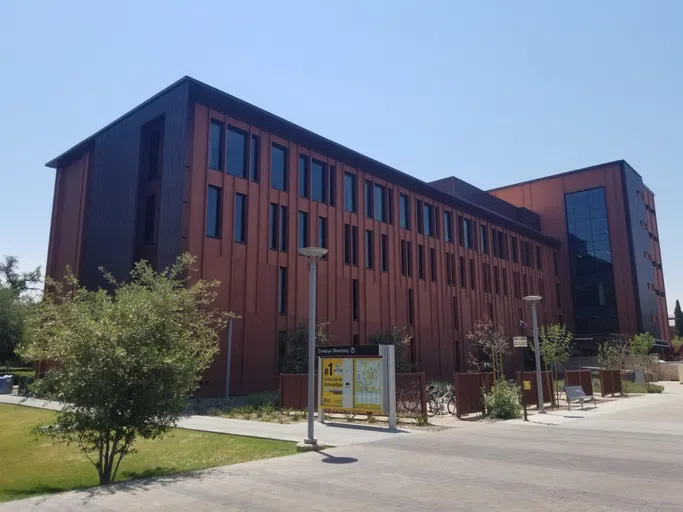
<point x="436" y="403"/>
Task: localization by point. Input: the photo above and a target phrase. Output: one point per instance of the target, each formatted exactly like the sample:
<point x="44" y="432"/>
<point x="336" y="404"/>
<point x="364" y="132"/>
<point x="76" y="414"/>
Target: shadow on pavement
<point x="331" y="459"/>
<point x="367" y="428"/>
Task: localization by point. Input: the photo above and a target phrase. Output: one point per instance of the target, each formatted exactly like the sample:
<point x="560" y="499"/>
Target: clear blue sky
<point x="492" y="92"/>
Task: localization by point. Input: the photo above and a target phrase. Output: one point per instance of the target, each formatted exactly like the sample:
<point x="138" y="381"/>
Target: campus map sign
<point x="357" y="378"/>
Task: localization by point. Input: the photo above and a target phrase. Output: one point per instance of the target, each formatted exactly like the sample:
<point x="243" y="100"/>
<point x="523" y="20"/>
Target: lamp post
<point x="533" y="300"/>
<point x="312" y="254"/>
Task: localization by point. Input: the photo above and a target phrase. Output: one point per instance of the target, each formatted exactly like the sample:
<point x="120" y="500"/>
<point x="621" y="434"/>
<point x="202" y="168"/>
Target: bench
<point x="576" y="394"/>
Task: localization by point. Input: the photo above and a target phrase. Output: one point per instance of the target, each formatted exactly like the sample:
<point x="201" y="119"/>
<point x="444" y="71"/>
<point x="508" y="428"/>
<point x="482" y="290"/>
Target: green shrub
<point x="655" y="388"/>
<point x="503" y="401"/>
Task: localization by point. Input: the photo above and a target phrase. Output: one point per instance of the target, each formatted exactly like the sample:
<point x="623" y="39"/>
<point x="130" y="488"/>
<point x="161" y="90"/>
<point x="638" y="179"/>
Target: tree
<point x="640" y="347"/>
<point x="294" y="347"/>
<point x="400" y="339"/>
<point x="608" y="355"/>
<point x="11" y="278"/>
<point x="678" y="318"/>
<point x="491" y="346"/>
<point x="124" y="362"/>
<point x="15" y="305"/>
<point x="556" y="346"/>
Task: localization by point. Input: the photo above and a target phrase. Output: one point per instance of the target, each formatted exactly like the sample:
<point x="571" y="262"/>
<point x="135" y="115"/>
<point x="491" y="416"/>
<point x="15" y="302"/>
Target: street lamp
<point x="312" y="254"/>
<point x="533" y="300"/>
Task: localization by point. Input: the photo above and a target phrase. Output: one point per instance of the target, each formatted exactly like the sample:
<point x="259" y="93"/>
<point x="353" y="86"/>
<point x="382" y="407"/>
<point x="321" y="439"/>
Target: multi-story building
<point x="195" y="169"/>
<point x="611" y="263"/>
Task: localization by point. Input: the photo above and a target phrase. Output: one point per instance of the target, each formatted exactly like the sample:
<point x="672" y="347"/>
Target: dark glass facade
<point x="590" y="258"/>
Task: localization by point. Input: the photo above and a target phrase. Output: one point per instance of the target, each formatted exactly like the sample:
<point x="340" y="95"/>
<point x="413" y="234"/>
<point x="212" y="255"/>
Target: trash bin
<point x="5" y="384"/>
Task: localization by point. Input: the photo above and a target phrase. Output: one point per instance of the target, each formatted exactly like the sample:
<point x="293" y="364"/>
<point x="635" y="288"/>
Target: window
<point x="404" y="259"/>
<point x="350" y="245"/>
<point x="349" y="192"/>
<point x="516" y="286"/>
<point x="318" y="182"/>
<point x="216" y="145"/>
<point x="513" y="244"/>
<point x="485" y="278"/>
<point x="526" y="253"/>
<point x="283" y="228"/>
<point x="502" y="245"/>
<point x="525" y="286"/>
<point x="273" y="226"/>
<point x="505" y="282"/>
<point x="484" y="235"/>
<point x="465" y="235"/>
<point x="404" y="207"/>
<point x="463" y="272"/>
<point x="150" y="217"/>
<point x="236" y="160"/>
<point x="420" y="261"/>
<point x="454" y="312"/>
<point x="448" y="226"/>
<point x="590" y="262"/>
<point x="411" y="307"/>
<point x="428" y="211"/>
<point x="240" y="234"/>
<point x="557" y="272"/>
<point x="420" y="218"/>
<point x="432" y="262"/>
<point x="333" y="185"/>
<point x="557" y="292"/>
<point x="496" y="280"/>
<point x="213" y="212"/>
<point x="254" y="161"/>
<point x="450" y="278"/>
<point x="472" y="277"/>
<point x="282" y="291"/>
<point x="354" y="298"/>
<point x="380" y="203"/>
<point x="278" y="227"/>
<point x="278" y="167"/>
<point x="356" y="339"/>
<point x="303" y="230"/>
<point x="322" y="233"/>
<point x="152" y="144"/>
<point x="369" y="210"/>
<point x="384" y="249"/>
<point x="409" y="253"/>
<point x="538" y="257"/>
<point x="369" y="249"/>
<point x="303" y="176"/>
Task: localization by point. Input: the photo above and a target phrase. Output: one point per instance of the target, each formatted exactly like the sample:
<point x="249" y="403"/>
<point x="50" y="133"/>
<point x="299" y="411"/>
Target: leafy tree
<point x="678" y="318"/>
<point x="400" y="339"/>
<point x="491" y="346"/>
<point x="11" y="278"/>
<point x="640" y="346"/>
<point x="608" y="355"/>
<point x="125" y="361"/>
<point x="556" y="347"/>
<point x="294" y="347"/>
<point x="15" y="305"/>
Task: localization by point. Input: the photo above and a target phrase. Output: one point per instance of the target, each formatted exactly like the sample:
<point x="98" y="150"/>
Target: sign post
<point x="521" y="342"/>
<point x="359" y="379"/>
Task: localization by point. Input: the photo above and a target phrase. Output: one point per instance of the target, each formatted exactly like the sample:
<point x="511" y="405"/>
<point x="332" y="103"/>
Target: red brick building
<point x="195" y="169"/>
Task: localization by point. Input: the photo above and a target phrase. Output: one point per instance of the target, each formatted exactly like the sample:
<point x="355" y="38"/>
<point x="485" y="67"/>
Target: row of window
<point x="214" y="215"/>
<point x="282" y="293"/>
<point x="231" y="149"/>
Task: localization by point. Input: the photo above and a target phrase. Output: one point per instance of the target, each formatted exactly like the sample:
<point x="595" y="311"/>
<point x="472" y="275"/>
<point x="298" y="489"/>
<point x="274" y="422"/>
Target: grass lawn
<point x="30" y="466"/>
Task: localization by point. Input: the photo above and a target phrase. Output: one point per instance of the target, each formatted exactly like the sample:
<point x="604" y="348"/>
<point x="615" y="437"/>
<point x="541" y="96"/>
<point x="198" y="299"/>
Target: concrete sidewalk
<point x="606" y="408"/>
<point x="331" y="434"/>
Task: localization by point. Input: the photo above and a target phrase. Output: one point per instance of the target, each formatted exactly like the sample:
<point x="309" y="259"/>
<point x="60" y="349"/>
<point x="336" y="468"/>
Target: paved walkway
<point x="603" y="462"/>
<point x="331" y="434"/>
